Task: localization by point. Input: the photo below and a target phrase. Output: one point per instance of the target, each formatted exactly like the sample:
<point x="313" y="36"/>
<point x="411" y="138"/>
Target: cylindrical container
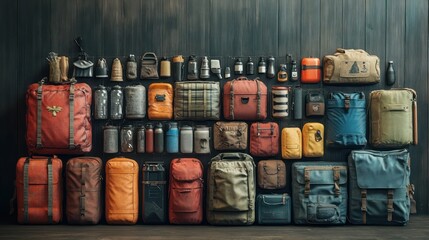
<point x="131" y="67"/>
<point x="192" y="68"/>
<point x="110" y="139"/>
<point x="140" y="139"/>
<point x="159" y="138"/>
<point x="186" y="139"/>
<point x="149" y="138"/>
<point x="271" y="72"/>
<point x="294" y="71"/>
<point x="280" y="101"/>
<point x="238" y="67"/>
<point x="172" y="138"/>
<point x="202" y="139"/>
<point x="135" y="102"/>
<point x="127" y="139"/>
<point x="250" y="68"/>
<point x="116" y="102"/>
<point x="262" y="66"/>
<point x="390" y="74"/>
<point x="205" y="68"/>
<point x="297" y="103"/>
<point x="178" y="68"/>
<point x="227" y="72"/>
<point x="165" y="69"/>
<point x="100" y="102"/>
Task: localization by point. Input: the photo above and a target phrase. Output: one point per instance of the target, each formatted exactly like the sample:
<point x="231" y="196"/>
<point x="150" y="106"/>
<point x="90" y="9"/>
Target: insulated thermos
<point x="238" y="67"/>
<point x="202" y="139"/>
<point x="178" y="68"/>
<point x="100" y="102"/>
<point x="205" y="69"/>
<point x="149" y="138"/>
<point x="192" y="68"/>
<point x="294" y="71"/>
<point x="131" y="68"/>
<point x="127" y="139"/>
<point x="135" y="99"/>
<point x="271" y="72"/>
<point x="186" y="139"/>
<point x="110" y="139"/>
<point x="250" y="68"/>
<point x="262" y="66"/>
<point x="159" y="138"/>
<point x="297" y="103"/>
<point x="116" y="102"/>
<point x="390" y="74"/>
<point x="172" y="138"/>
<point x="165" y="69"/>
<point x="140" y="139"/>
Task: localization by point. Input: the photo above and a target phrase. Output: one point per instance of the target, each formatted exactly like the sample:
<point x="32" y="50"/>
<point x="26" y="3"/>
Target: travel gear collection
<point x="237" y="149"/>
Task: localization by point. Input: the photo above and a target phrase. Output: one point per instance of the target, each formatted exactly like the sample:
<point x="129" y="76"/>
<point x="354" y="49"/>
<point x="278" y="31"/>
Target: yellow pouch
<point x="291" y="143"/>
<point x="313" y="139"/>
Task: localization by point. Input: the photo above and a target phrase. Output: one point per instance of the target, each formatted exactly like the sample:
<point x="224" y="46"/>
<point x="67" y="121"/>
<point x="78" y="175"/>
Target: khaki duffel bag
<point x="351" y="66"/>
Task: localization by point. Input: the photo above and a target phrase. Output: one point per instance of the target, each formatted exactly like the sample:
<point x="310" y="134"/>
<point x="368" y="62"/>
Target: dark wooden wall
<point x="392" y="29"/>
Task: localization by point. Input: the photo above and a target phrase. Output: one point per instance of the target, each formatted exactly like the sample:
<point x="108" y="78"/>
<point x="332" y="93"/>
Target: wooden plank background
<point x="392" y="29"/>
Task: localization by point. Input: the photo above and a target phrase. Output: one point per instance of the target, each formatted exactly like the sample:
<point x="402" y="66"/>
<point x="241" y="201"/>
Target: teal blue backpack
<point x="380" y="189"/>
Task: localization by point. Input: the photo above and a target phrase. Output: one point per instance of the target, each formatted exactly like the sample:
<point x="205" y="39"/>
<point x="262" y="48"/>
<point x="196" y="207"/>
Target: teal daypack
<point x="319" y="192"/>
<point x="380" y="190"/>
<point x="346" y="120"/>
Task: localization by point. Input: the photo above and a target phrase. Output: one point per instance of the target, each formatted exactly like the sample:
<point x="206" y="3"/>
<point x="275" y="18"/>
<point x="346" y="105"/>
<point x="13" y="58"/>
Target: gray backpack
<point x="319" y="191"/>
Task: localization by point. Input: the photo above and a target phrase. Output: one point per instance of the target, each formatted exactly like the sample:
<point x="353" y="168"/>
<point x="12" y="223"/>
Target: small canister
<point x="100" y="102"/>
<point x="110" y="139"/>
<point x="131" y="67"/>
<point x="127" y="139"/>
<point x="149" y="138"/>
<point x="159" y="138"/>
<point x="186" y="139"/>
<point x="202" y="139"/>
<point x="165" y="69"/>
<point x="140" y="139"/>
<point x="178" y="68"/>
<point x="172" y="138"/>
<point x="116" y="102"/>
<point x="135" y="102"/>
<point x="192" y="68"/>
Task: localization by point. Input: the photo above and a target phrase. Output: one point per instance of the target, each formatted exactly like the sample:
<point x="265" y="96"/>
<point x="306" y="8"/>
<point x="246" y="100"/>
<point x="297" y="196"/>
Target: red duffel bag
<point x="59" y="118"/>
<point x="245" y="99"/>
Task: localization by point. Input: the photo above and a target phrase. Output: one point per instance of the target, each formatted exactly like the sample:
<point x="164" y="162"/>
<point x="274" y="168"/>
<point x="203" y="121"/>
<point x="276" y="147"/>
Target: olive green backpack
<point x="231" y="189"/>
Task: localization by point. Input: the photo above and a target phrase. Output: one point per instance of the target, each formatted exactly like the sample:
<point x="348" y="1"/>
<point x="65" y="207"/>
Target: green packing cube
<point x="393" y="118"/>
<point x="380" y="190"/>
<point x="231" y="189"/>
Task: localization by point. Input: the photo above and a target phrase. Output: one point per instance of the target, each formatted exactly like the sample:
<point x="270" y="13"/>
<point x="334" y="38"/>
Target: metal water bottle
<point x="159" y="138"/>
<point x="390" y="74"/>
<point x="271" y="71"/>
<point x="262" y="66"/>
<point x="172" y="138"/>
<point x="238" y="67"/>
<point x="110" y="139"/>
<point x="202" y="139"/>
<point x="205" y="69"/>
<point x="116" y="102"/>
<point x="135" y="99"/>
<point x="140" y="139"/>
<point x="186" y="139"/>
<point x="192" y="68"/>
<point x="165" y="69"/>
<point x="250" y="68"/>
<point x="127" y="139"/>
<point x="100" y="102"/>
<point x="149" y="138"/>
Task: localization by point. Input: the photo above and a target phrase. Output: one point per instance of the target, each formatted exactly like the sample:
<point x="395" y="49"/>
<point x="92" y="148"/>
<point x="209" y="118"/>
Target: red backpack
<point x="185" y="191"/>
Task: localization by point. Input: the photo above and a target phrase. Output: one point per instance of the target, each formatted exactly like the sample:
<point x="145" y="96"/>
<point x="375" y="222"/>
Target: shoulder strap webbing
<point x="390" y="209"/>
<point x="26" y="164"/>
<point x="39" y="116"/>
<point x="258" y="97"/>
<point x="50" y="191"/>
<point x="231" y="103"/>
<point x="82" y="190"/>
<point x="363" y="205"/>
<point x="71" y="117"/>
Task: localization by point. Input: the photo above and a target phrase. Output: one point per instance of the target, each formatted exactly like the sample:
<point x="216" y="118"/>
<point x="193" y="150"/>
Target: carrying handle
<point x="149" y="56"/>
<point x="231" y="156"/>
<point x="241" y="78"/>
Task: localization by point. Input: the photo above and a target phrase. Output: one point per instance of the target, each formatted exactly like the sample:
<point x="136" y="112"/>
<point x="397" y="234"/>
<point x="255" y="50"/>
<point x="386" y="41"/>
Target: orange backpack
<point x="160" y="101"/>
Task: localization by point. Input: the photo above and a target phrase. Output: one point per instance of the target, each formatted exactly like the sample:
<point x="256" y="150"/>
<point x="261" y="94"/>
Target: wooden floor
<point x="418" y="228"/>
